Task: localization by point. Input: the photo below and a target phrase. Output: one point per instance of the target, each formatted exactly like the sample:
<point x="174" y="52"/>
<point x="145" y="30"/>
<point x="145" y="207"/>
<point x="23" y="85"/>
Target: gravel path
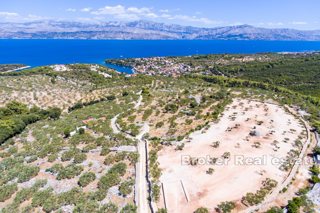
<point x="141" y="184"/>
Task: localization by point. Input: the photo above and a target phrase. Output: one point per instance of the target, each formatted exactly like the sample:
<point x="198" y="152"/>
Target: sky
<point x="298" y="14"/>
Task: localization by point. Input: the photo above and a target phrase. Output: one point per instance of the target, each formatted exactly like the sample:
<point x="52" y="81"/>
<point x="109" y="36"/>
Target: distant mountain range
<point x="146" y="30"/>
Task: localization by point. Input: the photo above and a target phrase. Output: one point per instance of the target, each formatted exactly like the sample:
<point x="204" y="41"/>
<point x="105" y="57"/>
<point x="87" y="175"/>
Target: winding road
<point x="141" y="183"/>
<point x="114" y="126"/>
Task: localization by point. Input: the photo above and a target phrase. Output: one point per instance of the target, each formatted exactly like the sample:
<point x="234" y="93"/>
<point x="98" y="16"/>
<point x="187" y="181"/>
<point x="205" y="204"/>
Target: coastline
<point x="119" y="68"/>
<point x="89" y="51"/>
<point x="17" y="69"/>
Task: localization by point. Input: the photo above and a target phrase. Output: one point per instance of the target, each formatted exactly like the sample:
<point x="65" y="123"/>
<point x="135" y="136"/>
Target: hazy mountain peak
<point x="52" y="29"/>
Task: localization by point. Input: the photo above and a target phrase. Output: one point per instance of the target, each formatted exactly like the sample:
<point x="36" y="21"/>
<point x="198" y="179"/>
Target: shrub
<point x="251" y="199"/>
<point x="52" y="157"/>
<point x="17" y="108"/>
<point x="23" y="195"/>
<point x="120" y="156"/>
<point x="69" y="172"/>
<point x="108" y="180"/>
<point x="119" y="168"/>
<point x="292" y="207"/>
<point x="80" y="157"/>
<point x="226" y="207"/>
<point x="111" y="97"/>
<point x="109" y="208"/>
<point x="30" y="118"/>
<point x="67" y="155"/>
<point x="89" y="147"/>
<point x="109" y="160"/>
<point x="32" y="159"/>
<point x="317" y="149"/>
<point x="275" y="210"/>
<point x="125" y="188"/>
<point x="156" y="192"/>
<point x="4" y="111"/>
<point x="50" y="204"/>
<point x="315" y="179"/>
<point x="39" y="198"/>
<point x="133" y="157"/>
<point x="171" y="108"/>
<point x="54" y="113"/>
<point x="56" y="168"/>
<point x="104" y="151"/>
<point x="189" y="121"/>
<point x="81" y="131"/>
<point x="86" y="178"/>
<point x="6" y="191"/>
<point x="146" y="114"/>
<point x="201" y="210"/>
<point x="129" y="208"/>
<point x="66" y="132"/>
<point x="159" y="124"/>
<point x="179" y="147"/>
<point x="10" y="127"/>
<point x="71" y="197"/>
<point x="98" y="195"/>
<point x="193" y="104"/>
<point x="76" y="106"/>
<point x="86" y="206"/>
<point x="27" y="172"/>
<point x="125" y="93"/>
<point x="315" y="170"/>
<point x="210" y="171"/>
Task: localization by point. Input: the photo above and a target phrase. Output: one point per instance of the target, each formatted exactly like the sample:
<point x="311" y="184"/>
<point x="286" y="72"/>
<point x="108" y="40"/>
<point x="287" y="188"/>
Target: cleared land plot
<point x="259" y="132"/>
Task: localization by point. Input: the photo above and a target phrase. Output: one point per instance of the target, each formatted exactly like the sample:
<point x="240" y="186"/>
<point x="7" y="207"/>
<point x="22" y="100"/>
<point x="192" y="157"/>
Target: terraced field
<point x="83" y="138"/>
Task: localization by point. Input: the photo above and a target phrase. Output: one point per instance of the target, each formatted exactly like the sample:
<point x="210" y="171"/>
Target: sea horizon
<point x="42" y="52"/>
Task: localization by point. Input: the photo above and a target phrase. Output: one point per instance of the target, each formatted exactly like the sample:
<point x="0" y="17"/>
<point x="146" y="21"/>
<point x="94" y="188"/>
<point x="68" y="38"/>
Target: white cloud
<point x="86" y="9"/>
<point x="164" y="11"/>
<point x="8" y="14"/>
<point x="15" y="17"/>
<point x="139" y="10"/>
<point x="271" y="24"/>
<point x="194" y="19"/>
<point x="130" y="13"/>
<point x="71" y="10"/>
<point x="110" y="10"/>
<point x="32" y="17"/>
<point x="136" y="13"/>
<point x="299" y="23"/>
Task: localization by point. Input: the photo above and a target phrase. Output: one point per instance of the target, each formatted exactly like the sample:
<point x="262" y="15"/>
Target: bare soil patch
<point x="251" y="135"/>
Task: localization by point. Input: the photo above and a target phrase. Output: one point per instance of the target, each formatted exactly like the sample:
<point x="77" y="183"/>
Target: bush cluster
<point x="15" y="116"/>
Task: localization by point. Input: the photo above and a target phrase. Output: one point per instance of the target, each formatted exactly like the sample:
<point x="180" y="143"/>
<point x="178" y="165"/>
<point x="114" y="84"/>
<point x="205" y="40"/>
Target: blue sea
<point x="46" y="52"/>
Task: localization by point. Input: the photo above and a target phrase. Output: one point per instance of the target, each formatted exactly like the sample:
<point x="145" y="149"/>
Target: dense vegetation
<point x="16" y="116"/>
<point x="299" y="73"/>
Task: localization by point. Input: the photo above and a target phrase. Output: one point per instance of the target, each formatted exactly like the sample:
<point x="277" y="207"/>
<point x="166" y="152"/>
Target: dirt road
<point x="141" y="184"/>
<point x="114" y="126"/>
